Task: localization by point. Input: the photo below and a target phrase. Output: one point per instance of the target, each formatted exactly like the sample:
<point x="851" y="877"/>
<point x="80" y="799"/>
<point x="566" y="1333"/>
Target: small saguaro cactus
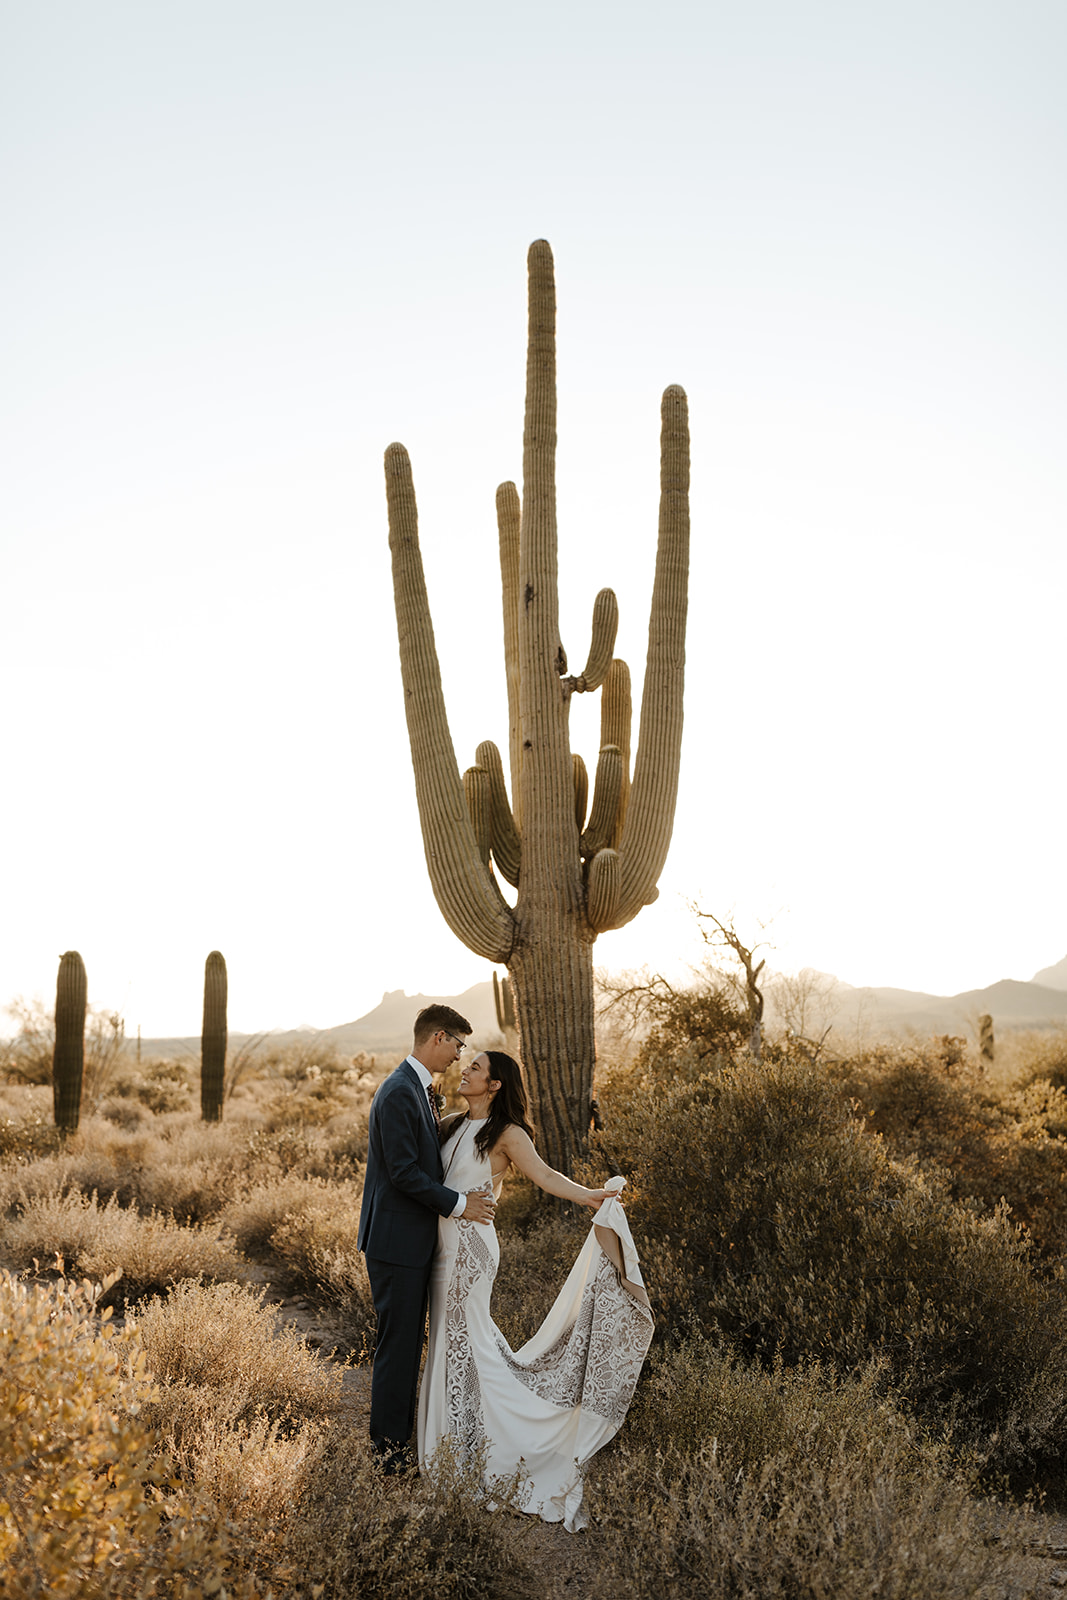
<point x="574" y="877"/>
<point x="986" y="1044"/>
<point x="213" y="1039"/>
<point x="68" y="1057"/>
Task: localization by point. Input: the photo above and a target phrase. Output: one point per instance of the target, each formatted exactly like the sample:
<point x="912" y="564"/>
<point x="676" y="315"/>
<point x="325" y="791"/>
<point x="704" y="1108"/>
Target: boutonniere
<point x="439" y="1102"/>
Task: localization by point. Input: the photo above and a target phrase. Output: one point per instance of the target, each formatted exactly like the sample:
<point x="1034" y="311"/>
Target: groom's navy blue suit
<point x="402" y="1198"/>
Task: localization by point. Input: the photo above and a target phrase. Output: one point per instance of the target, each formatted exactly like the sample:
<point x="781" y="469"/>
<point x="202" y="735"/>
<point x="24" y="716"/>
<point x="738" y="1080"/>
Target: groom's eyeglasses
<point x="460" y="1044"/>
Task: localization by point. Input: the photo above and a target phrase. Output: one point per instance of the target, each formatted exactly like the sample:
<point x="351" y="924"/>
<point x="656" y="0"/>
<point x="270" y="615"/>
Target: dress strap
<point x="456" y="1142"/>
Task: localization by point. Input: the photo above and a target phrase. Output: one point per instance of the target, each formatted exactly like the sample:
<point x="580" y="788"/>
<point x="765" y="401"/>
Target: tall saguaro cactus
<point x="68" y="1057"/>
<point x="213" y="1039"/>
<point x="575" y="878"/>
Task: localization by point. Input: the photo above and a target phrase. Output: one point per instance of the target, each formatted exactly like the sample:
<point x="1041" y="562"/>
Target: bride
<point x="545" y="1409"/>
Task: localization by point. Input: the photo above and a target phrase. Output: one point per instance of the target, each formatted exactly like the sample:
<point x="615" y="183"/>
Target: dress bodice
<point x="464" y="1168"/>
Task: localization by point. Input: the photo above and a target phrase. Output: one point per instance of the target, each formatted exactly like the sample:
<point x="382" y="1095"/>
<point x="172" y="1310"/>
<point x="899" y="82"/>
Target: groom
<point x="403" y="1196"/>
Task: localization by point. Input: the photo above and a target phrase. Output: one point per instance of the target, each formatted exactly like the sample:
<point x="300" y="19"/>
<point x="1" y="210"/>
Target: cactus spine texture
<point x="575" y="878"/>
<point x="213" y="1039"/>
<point x="68" y="1058"/>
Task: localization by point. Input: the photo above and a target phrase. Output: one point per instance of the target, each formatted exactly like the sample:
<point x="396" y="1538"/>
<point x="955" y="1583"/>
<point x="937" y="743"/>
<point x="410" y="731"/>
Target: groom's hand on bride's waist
<point x="479" y="1208"/>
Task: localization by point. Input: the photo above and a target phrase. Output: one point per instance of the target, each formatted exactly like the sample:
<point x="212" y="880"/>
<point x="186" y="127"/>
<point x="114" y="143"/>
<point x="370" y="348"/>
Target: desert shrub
<point x="219" y="1344"/>
<point x="150" y="1252"/>
<point x="698" y="1394"/>
<point x="161" y="1086"/>
<point x="702" y="1020"/>
<point x="129" y="1115"/>
<point x="766" y="1210"/>
<point x="88" y="1507"/>
<point x="862" y="1524"/>
<point x="358" y="1532"/>
<point x="23" y="1138"/>
<point x="254" y="1216"/>
<point x="1034" y="1056"/>
<point x="307" y="1106"/>
<point x="992" y="1143"/>
<point x="342" y="1151"/>
<point x="280" y="1150"/>
<point x="189" y="1177"/>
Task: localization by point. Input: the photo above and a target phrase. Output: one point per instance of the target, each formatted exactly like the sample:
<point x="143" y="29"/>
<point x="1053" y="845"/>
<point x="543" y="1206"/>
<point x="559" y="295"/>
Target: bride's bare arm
<point x="517" y="1145"/>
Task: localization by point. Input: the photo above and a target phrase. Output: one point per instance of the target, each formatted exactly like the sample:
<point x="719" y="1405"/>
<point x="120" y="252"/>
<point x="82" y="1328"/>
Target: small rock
<point x="1058" y="1577"/>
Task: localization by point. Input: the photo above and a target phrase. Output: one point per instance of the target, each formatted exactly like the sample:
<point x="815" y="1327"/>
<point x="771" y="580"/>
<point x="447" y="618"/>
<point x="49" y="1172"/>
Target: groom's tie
<point x="433" y="1104"/>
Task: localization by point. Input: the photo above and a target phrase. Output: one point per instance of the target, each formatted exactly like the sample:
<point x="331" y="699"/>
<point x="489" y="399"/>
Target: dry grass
<point x="150" y="1252"/>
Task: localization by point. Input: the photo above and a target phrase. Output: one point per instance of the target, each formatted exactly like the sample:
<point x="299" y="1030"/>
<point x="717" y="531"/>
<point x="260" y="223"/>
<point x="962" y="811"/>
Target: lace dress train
<point x="549" y="1406"/>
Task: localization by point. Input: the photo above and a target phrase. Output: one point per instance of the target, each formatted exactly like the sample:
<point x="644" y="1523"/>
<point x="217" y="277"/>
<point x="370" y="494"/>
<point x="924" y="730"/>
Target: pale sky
<point x="247" y="245"/>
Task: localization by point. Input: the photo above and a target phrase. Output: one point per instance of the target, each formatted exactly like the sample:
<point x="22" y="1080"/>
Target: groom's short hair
<point x="431" y="1018"/>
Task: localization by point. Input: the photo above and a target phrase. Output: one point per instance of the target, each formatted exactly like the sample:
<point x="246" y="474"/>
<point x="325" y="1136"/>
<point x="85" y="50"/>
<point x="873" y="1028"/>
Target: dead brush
<point x="218" y="1347"/>
<point x="862" y="1523"/>
<point x="357" y="1532"/>
<point x="150" y="1252"/>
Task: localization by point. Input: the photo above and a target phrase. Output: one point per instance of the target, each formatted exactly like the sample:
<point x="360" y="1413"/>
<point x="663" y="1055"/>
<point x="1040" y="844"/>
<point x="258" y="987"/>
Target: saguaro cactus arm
<point x="646" y="835"/>
<point x="508" y="522"/>
<point x="463" y="886"/>
<point x="581" y="789"/>
<point x="601" y="644"/>
<point x="607" y="787"/>
<point x="479" y="808"/>
<point x="507" y="847"/>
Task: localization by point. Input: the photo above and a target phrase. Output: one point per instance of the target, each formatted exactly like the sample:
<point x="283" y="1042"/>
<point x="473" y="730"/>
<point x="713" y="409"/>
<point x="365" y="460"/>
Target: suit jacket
<point x="402" y="1190"/>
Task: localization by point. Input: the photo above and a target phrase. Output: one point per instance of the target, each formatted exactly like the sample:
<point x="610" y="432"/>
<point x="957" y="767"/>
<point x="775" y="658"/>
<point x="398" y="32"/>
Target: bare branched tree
<point x="724" y="936"/>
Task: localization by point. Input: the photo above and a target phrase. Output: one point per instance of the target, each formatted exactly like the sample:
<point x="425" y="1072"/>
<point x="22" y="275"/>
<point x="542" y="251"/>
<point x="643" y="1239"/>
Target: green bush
<point x="861" y="1525"/>
<point x="765" y="1209"/>
<point x="699" y="1394"/>
<point x="990" y="1142"/>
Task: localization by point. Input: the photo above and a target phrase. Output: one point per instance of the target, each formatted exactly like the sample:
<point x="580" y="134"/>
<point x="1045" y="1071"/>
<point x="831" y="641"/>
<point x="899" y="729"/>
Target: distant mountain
<point x="386" y="1028"/>
<point x="871" y="1012"/>
<point x="1052" y="977"/>
<point x="895" y="1011"/>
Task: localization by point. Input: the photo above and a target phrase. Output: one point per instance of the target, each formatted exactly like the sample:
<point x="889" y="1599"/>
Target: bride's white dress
<point x="549" y="1406"/>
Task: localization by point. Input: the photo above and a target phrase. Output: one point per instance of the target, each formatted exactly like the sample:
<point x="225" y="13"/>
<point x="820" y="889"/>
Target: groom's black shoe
<point x="397" y="1460"/>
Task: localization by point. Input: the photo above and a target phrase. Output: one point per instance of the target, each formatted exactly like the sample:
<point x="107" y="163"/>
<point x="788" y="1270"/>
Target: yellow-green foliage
<point x="87" y="1508"/>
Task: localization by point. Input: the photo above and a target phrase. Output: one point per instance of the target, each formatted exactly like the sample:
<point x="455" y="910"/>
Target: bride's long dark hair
<point x="509" y="1104"/>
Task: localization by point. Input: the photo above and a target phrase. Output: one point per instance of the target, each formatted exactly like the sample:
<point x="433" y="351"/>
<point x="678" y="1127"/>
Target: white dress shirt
<point x="426" y="1079"/>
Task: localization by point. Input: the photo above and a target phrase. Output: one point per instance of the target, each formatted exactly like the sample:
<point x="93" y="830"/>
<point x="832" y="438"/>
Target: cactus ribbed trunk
<point x="571" y="884"/>
<point x="551" y="964"/>
<point x="68" y="1058"/>
<point x="213" y="1038"/>
<point x="553" y="978"/>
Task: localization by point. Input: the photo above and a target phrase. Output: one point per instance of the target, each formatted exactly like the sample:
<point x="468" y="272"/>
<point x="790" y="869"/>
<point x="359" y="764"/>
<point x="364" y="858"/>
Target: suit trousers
<point x="399" y="1295"/>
